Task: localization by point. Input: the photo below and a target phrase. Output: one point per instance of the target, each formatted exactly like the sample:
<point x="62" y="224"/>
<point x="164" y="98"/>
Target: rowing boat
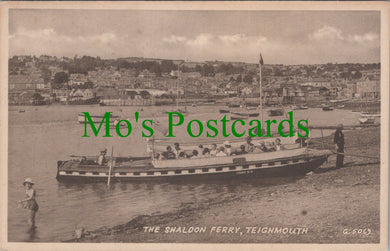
<point x="95" y="118"/>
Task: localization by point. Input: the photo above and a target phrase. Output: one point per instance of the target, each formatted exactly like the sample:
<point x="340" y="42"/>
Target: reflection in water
<point x="32" y="234"/>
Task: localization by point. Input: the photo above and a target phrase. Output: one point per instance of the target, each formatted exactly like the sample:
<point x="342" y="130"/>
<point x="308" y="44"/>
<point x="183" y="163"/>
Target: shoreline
<point x="340" y="202"/>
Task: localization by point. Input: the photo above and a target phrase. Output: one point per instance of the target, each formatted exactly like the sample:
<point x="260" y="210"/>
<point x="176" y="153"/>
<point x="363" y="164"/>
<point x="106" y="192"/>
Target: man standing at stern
<point x="339" y="144"/>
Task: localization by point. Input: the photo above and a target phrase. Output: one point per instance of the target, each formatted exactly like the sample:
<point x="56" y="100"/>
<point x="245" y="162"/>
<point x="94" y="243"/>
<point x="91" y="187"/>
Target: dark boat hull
<point x="276" y="168"/>
<point x="224" y="111"/>
<point x="274" y="113"/>
<point x="91" y="101"/>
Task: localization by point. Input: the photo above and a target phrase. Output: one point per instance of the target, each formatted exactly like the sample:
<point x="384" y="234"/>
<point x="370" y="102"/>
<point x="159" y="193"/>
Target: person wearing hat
<point x="249" y="147"/>
<point x="200" y="149"/>
<point x="102" y="157"/>
<point x="278" y="145"/>
<point x="169" y="154"/>
<point x="177" y="150"/>
<point x="339" y="145"/>
<point x="213" y="150"/>
<point x="221" y="152"/>
<point x="30" y="203"/>
<point x="228" y="148"/>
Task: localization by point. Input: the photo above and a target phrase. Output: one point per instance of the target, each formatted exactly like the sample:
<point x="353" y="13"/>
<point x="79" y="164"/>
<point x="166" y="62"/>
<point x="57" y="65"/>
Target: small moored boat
<point x="275" y="112"/>
<point x="302" y="107"/>
<point x="237" y="116"/>
<point x="327" y="107"/>
<point x="224" y="111"/>
<point x="366" y="120"/>
<point x="95" y="118"/>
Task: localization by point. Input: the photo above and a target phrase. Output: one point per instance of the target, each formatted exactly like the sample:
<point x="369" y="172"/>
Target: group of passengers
<point x="226" y="149"/>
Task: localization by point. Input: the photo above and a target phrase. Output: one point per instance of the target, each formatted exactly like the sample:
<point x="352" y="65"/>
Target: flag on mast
<point x="261" y="60"/>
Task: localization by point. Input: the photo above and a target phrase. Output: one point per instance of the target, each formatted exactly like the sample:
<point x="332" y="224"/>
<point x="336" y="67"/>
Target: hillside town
<point x="135" y="81"/>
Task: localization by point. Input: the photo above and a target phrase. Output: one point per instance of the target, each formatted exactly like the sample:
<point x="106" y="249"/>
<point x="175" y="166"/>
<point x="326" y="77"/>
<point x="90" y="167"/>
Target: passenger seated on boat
<point x="213" y="150"/>
<point x="263" y="147"/>
<point x="278" y="145"/>
<point x="241" y="150"/>
<point x="157" y="156"/>
<point x="249" y="146"/>
<point x="177" y="150"/>
<point x="101" y="160"/>
<point x="301" y="141"/>
<point x="169" y="154"/>
<point x="182" y="155"/>
<point x="206" y="152"/>
<point x="83" y="160"/>
<point x="195" y="154"/>
<point x="272" y="147"/>
<point x="221" y="152"/>
<point x="200" y="149"/>
<point x="228" y="149"/>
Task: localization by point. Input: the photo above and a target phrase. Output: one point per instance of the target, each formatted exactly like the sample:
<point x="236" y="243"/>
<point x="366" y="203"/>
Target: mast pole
<point x="261" y="92"/>
<point x="111" y="166"/>
<point x="177" y="87"/>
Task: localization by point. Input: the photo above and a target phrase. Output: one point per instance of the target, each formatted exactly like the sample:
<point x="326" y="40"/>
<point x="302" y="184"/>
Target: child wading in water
<point x="30" y="203"/>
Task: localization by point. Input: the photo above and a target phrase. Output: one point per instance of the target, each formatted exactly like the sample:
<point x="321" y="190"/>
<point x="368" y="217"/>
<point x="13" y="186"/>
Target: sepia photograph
<point x="130" y="124"/>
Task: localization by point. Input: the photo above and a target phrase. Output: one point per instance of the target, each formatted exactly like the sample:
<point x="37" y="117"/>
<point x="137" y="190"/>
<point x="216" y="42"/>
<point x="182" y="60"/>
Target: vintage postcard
<point x="194" y="125"/>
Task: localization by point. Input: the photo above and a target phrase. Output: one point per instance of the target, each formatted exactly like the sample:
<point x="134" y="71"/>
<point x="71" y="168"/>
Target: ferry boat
<point x="294" y="162"/>
<point x="275" y="112"/>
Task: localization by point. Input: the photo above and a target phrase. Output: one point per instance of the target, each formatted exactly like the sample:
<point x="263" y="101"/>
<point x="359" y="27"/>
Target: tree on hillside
<point x="167" y="66"/>
<point x="59" y="79"/>
<point x="36" y="96"/>
<point x="248" y="79"/>
<point x="357" y="75"/>
<point x="198" y="68"/>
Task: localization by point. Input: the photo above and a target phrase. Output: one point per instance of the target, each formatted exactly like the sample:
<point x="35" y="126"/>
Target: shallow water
<point x="40" y="136"/>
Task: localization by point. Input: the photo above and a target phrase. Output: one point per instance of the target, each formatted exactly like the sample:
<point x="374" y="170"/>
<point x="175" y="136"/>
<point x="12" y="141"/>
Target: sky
<point x="283" y="37"/>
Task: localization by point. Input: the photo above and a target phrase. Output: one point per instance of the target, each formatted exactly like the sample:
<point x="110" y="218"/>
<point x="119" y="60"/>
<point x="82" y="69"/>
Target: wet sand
<point x="326" y="206"/>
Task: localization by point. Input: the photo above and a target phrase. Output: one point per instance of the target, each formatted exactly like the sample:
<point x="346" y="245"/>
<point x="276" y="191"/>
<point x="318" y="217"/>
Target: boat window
<point x="218" y="169"/>
<point x="136" y="173"/>
<point x="232" y="168"/>
<point x="122" y="173"/>
<point x="271" y="163"/>
<point x="164" y="172"/>
<point x="68" y="172"/>
<point x="284" y="162"/>
<point x="205" y="170"/>
<point x="191" y="171"/>
<point x="295" y="160"/>
<point x="239" y="160"/>
<point x="150" y="173"/>
<point x="247" y="166"/>
<point x="177" y="171"/>
<point x="95" y="173"/>
<point x="259" y="165"/>
<point x="81" y="172"/>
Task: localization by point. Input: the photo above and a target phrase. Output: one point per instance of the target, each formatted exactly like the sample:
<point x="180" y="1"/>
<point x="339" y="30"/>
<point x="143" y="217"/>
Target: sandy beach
<point x="326" y="206"/>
